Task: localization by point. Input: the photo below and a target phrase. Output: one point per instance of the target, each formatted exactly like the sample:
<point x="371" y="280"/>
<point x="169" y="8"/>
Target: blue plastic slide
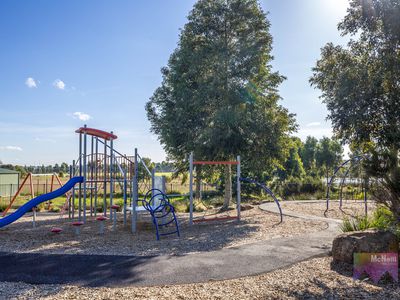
<point x="36" y="201"/>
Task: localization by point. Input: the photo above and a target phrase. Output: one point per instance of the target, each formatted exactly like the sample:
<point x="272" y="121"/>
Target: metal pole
<point x="91" y="176"/>
<point x="191" y="188"/>
<point x="111" y="176"/>
<point x="125" y="198"/>
<point x="34" y="217"/>
<point x="135" y="193"/>
<point x="80" y="174"/>
<point x="84" y="174"/>
<point x="153" y="175"/>
<point x="73" y="191"/>
<point x="96" y="177"/>
<point x="365" y="196"/>
<point x="238" y="187"/>
<point x="105" y="180"/>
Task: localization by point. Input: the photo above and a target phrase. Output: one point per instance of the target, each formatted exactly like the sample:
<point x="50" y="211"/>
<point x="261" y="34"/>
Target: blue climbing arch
<point x="267" y="190"/>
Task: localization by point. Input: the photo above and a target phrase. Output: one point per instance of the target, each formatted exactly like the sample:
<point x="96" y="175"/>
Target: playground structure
<point x="101" y="174"/>
<point x="29" y="180"/>
<point x="192" y="164"/>
<point x="268" y="191"/>
<point x="94" y="175"/>
<point x="104" y="172"/>
<point x="347" y="166"/>
<point x="30" y="205"/>
<point x="239" y="179"/>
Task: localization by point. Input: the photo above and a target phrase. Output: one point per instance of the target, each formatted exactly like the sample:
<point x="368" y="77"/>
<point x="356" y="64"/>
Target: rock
<point x="369" y="241"/>
<point x="244" y="207"/>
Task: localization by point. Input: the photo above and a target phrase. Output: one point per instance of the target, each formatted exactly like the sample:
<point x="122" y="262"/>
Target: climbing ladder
<point x="162" y="213"/>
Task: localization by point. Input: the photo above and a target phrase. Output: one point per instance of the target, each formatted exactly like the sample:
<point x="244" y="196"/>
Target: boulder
<point x="368" y="241"/>
<point x="244" y="207"/>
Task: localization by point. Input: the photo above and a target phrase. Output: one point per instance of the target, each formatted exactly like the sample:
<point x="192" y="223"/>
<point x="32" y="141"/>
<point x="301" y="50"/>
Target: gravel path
<point x="317" y="208"/>
<point x="313" y="279"/>
<point x="255" y="226"/>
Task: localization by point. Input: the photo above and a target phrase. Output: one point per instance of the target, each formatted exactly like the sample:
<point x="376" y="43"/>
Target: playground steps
<point x="165" y="222"/>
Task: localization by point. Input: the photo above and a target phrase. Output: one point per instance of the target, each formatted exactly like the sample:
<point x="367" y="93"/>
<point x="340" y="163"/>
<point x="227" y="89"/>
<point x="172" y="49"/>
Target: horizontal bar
<point x="214" y="219"/>
<point x="215" y="163"/>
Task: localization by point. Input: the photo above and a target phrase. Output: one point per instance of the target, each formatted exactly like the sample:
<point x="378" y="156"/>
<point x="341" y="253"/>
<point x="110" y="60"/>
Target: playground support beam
<point x="80" y="183"/>
<point x="111" y="176"/>
<point x="238" y="190"/>
<point x="191" y="188"/>
<point x="191" y="169"/>
<point x="105" y="180"/>
<point x="73" y="191"/>
<point x="356" y="159"/>
<point x="85" y="174"/>
<point x="135" y="193"/>
<point x="96" y="175"/>
<point x="91" y="174"/>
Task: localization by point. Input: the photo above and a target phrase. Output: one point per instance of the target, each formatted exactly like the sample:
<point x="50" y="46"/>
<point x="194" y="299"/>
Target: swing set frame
<point x="192" y="164"/>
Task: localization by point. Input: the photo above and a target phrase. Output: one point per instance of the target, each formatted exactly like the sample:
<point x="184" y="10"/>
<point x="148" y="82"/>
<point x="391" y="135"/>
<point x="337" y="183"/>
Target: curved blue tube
<point x="266" y="189"/>
<point x="36" y="201"/>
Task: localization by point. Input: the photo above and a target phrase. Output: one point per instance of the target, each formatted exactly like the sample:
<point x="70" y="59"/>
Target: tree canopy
<point x="360" y="82"/>
<point x="360" y="85"/>
<point x="218" y="97"/>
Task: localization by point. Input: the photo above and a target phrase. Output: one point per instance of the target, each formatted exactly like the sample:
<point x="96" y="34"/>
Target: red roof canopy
<point x="97" y="132"/>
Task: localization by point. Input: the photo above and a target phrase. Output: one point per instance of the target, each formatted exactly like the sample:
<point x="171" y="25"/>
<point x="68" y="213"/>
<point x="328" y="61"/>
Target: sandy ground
<point x="313" y="279"/>
<point x="256" y="225"/>
<point x="350" y="208"/>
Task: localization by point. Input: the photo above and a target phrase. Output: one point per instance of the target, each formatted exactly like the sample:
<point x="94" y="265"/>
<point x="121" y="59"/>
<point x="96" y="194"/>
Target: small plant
<point x="55" y="209"/>
<point x="383" y="218"/>
<point x="41" y="207"/>
<point x="359" y="223"/>
<point x="120" y="203"/>
<point x="3" y="207"/>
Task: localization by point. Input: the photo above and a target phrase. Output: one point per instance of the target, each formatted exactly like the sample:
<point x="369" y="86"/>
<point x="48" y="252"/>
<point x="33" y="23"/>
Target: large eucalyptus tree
<point x="218" y="97"/>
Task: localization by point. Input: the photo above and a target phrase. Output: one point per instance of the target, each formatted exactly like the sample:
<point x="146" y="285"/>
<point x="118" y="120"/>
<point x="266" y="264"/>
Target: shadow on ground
<point x="82" y="270"/>
<point x="22" y="237"/>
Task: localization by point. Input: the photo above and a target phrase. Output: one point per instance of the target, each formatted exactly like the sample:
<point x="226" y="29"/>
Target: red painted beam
<point x="97" y="132"/>
<point x="215" y="163"/>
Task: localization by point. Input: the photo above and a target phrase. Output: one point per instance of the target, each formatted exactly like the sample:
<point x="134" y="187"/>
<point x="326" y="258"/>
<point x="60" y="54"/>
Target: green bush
<point x="382" y="219"/>
<point x="120" y="203"/>
<point x="3" y="206"/>
<point x="356" y="224"/>
<point x="305" y="188"/>
<point x="55" y="209"/>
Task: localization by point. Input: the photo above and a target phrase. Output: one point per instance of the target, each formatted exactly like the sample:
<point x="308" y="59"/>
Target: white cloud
<point x="81" y="116"/>
<point x="30" y="82"/>
<point x="11" y="148"/>
<point x="317" y="132"/>
<point x="313" y="124"/>
<point x="59" y="84"/>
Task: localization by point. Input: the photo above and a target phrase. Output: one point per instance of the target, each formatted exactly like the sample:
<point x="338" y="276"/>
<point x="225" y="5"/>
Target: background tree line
<point x="60" y="169"/>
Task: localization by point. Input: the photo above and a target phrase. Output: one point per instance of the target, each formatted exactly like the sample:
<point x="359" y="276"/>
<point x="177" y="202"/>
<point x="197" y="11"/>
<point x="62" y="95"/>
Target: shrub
<point x="3" y="206"/>
<point x="120" y="203"/>
<point x="356" y="224"/>
<point x="382" y="219"/>
<point x="55" y="209"/>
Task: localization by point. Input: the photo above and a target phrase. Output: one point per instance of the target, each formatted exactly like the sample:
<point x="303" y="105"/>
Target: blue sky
<point x="67" y="63"/>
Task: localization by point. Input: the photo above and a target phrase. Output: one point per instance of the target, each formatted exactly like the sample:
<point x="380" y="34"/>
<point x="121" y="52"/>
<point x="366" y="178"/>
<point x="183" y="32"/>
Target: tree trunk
<point x="228" y="187"/>
<point x="198" y="182"/>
